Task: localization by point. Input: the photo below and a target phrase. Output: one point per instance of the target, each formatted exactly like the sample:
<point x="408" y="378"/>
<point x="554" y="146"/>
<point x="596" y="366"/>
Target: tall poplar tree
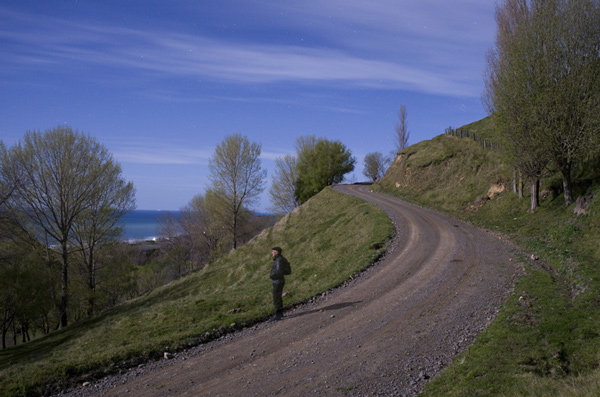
<point x="402" y="134"/>
<point x="542" y="81"/>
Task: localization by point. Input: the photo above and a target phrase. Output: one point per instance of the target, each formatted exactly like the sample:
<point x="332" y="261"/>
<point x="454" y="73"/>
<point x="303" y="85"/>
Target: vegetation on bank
<point x="327" y="239"/>
<point x="546" y="338"/>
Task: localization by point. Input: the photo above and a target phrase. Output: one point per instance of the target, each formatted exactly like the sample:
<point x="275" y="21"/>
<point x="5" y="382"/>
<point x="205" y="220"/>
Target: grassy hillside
<point x="447" y="172"/>
<point x="326" y="240"/>
<point x="546" y="339"/>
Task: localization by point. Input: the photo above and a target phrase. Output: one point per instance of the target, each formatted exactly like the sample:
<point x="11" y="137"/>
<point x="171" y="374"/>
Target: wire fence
<point x="462" y="133"/>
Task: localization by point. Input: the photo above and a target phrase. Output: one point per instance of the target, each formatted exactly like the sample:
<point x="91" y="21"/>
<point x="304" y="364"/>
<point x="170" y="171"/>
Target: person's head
<point x="275" y="251"/>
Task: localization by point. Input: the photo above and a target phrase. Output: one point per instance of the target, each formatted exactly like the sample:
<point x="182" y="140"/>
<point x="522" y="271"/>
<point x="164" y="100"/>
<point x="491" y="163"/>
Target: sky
<point x="162" y="83"/>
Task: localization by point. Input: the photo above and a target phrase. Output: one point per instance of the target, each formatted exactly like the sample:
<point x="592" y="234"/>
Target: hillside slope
<point x="327" y="240"/>
<point x="545" y="341"/>
<point x="447" y="172"/>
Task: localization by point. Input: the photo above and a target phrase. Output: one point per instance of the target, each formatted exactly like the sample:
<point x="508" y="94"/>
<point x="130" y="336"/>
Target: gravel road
<point x="384" y="333"/>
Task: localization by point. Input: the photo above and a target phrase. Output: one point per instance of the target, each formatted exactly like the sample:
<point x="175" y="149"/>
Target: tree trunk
<point x="64" y="299"/>
<point x="567" y="186"/>
<point x="91" y="283"/>
<point x="14" y="330"/>
<point x="520" y="185"/>
<point x="535" y="194"/>
<point x="234" y="230"/>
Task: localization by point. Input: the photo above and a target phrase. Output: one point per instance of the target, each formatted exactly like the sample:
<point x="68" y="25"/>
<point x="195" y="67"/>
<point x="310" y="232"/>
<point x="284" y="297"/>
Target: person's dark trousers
<point x="277" y="299"/>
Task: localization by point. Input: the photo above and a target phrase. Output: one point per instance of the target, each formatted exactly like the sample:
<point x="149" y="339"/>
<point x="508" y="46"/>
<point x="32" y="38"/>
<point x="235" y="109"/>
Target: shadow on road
<point x="337" y="306"/>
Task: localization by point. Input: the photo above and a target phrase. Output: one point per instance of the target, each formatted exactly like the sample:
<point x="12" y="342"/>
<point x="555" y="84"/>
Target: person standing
<point x="279" y="269"/>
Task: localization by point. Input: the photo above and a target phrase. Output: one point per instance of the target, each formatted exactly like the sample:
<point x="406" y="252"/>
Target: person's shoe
<point x="276" y="317"/>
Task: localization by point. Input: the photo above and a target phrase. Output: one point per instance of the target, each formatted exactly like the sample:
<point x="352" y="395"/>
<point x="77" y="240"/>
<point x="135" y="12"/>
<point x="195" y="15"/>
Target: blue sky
<point x="161" y="83"/>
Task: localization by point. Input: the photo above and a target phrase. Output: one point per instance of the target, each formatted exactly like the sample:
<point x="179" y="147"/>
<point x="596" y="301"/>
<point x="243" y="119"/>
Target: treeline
<point x="542" y="84"/>
<point x="62" y="198"/>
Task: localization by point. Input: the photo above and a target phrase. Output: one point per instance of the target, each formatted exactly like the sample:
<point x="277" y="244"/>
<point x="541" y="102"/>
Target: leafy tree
<point x="25" y="288"/>
<point x="283" y="185"/>
<point x="511" y="92"/>
<point x="375" y="165"/>
<point x="542" y="80"/>
<point x="237" y="179"/>
<point x="117" y="275"/>
<point x="61" y="173"/>
<point x="572" y="96"/>
<point x="321" y="164"/>
<point x="401" y="128"/>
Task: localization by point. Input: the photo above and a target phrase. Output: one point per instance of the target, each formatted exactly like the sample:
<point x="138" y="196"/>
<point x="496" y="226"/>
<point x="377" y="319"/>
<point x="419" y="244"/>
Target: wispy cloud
<point x="152" y="152"/>
<point x="382" y="53"/>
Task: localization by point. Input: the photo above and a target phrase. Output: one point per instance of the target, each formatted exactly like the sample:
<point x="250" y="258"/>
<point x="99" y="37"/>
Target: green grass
<point x="446" y="172"/>
<point x="326" y="240"/>
<point x="546" y="338"/>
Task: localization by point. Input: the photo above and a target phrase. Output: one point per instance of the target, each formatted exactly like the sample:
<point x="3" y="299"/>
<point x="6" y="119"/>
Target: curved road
<point x="387" y="333"/>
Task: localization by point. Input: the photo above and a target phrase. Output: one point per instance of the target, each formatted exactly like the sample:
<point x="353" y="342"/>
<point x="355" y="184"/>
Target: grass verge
<point x="327" y="240"/>
<point x="546" y="339"/>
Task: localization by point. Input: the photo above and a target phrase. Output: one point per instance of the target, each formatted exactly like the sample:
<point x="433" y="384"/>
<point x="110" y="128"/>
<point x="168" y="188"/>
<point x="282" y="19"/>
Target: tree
<point x="5" y="189"/>
<point x="61" y="173"/>
<point x="204" y="231"/>
<point x="283" y="185"/>
<point x="25" y="289"/>
<point x="511" y="93"/>
<point x="402" y="133"/>
<point x="542" y="80"/>
<point x="98" y="224"/>
<point x="323" y="164"/>
<point x="572" y="99"/>
<point x="375" y="165"/>
<point x="237" y="179"/>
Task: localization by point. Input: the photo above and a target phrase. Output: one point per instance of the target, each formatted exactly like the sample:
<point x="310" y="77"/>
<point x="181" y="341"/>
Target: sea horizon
<point x="142" y="225"/>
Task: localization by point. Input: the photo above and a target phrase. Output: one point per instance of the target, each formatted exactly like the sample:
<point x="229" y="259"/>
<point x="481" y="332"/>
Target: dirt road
<point x="387" y="333"/>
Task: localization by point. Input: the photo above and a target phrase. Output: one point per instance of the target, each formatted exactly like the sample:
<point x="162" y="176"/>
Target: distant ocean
<point x="143" y="224"/>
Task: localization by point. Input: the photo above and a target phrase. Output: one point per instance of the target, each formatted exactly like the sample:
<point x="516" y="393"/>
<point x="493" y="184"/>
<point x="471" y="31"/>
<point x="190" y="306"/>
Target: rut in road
<point x="387" y="333"/>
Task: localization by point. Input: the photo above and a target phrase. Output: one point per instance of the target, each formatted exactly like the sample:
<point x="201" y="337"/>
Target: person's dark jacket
<point x="278" y="268"/>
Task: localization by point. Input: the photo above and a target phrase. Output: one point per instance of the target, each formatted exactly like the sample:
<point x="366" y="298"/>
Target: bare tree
<point x="402" y="133"/>
<point x="61" y="174"/>
<point x="283" y="185"/>
<point x="237" y="178"/>
<point x="6" y="189"/>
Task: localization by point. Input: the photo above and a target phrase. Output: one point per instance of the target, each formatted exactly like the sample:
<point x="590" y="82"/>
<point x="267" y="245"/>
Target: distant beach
<point x="143" y="224"/>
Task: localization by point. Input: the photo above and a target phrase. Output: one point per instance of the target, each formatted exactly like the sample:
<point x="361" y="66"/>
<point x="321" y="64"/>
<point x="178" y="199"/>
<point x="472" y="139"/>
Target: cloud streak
<point x="167" y="54"/>
<point x="158" y="153"/>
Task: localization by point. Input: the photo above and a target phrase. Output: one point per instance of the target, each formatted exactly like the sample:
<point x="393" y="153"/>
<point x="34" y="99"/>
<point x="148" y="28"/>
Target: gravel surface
<point x="386" y="332"/>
